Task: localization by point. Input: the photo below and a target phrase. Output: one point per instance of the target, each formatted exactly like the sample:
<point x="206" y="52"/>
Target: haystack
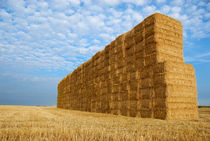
<point x="141" y="73"/>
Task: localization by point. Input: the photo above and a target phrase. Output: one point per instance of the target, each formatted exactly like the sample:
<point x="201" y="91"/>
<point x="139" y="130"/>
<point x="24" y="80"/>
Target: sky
<point x="43" y="41"/>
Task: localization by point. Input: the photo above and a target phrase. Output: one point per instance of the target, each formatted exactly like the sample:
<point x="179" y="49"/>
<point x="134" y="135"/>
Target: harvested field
<point x="50" y="123"/>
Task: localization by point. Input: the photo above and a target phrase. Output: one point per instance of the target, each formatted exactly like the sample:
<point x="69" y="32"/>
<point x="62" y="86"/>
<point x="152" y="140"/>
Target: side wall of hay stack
<point x="141" y="73"/>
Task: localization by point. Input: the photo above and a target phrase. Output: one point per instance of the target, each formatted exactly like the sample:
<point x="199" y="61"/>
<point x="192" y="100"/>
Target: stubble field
<point x="49" y="123"/>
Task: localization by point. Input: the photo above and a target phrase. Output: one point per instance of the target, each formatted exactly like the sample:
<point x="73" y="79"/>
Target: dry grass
<point x="50" y="123"/>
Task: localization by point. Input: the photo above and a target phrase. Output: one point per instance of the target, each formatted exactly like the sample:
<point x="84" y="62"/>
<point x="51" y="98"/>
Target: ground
<point x="51" y="123"/>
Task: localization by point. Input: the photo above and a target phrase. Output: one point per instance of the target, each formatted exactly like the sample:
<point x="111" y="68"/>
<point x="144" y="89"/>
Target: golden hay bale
<point x="141" y="73"/>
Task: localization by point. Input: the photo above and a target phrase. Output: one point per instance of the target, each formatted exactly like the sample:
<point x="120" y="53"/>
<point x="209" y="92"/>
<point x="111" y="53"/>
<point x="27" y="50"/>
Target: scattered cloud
<point x="29" y="78"/>
<point x="200" y="58"/>
<point x="161" y="1"/>
<point x="117" y="2"/>
<point x="46" y="35"/>
<point x="177" y="2"/>
<point x="149" y="9"/>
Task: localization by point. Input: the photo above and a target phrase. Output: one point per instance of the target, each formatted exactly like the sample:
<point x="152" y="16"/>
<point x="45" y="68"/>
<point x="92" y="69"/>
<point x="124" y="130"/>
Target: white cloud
<point x="106" y="37"/>
<point x="111" y="2"/>
<point x="165" y="9"/>
<point x="149" y="9"/>
<point x="61" y="36"/>
<point x="176" y="9"/>
<point x="96" y="21"/>
<point x="177" y="2"/>
<point x="203" y="55"/>
<point x="138" y="17"/>
<point x="96" y="41"/>
<point x="160" y="1"/>
<point x="117" y="2"/>
<point x="18" y="7"/>
<point x="87" y="2"/>
<point x="5" y="16"/>
<point x="43" y="5"/>
<point x="203" y="58"/>
<point x="29" y="78"/>
<point x="137" y="2"/>
<point x="75" y="2"/>
<point x="60" y="4"/>
<point x="208" y="6"/>
<point x="201" y="3"/>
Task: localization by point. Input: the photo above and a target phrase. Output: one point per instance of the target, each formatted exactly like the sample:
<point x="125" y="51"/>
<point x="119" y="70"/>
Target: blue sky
<point x="42" y="41"/>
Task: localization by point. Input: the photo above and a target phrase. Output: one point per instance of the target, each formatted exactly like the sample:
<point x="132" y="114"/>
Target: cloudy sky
<point x="42" y="41"/>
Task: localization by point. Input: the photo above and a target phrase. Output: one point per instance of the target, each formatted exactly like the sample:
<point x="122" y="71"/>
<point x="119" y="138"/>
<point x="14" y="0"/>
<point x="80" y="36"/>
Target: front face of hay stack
<point x="141" y="73"/>
<point x="173" y="80"/>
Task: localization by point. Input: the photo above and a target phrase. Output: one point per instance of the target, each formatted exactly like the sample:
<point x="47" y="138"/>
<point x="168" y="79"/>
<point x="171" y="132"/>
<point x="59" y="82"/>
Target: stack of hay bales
<point x="141" y="73"/>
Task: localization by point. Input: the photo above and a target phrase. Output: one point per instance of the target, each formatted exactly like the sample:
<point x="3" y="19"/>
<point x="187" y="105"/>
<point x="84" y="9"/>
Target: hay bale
<point x="141" y="73"/>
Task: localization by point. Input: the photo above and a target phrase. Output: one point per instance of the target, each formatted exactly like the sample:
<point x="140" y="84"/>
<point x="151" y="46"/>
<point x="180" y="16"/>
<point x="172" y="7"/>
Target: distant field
<point x="49" y="123"/>
<point x="203" y="106"/>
